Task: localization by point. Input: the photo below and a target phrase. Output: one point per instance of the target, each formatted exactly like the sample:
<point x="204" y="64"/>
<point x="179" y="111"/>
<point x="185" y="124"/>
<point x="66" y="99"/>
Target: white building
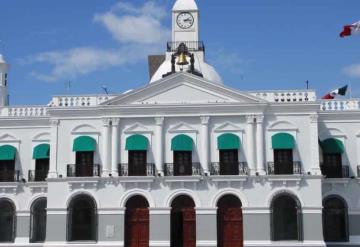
<point x="182" y="161"/>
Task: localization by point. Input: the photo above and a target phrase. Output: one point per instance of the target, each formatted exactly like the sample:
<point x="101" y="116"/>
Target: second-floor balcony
<point x="292" y="168"/>
<point x="126" y="169"/>
<point x="10" y="176"/>
<point x="334" y="171"/>
<point x="192" y="169"/>
<point x="81" y="170"/>
<point x="218" y="168"/>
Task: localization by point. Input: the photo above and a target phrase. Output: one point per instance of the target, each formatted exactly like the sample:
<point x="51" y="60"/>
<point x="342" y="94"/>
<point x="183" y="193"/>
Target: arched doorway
<point x="38" y="221"/>
<point x="229" y="222"/>
<point x="137" y="222"/>
<point x="286" y="218"/>
<point x="7" y="221"/>
<point x="82" y="219"/>
<point x="183" y="222"/>
<point x="335" y="220"/>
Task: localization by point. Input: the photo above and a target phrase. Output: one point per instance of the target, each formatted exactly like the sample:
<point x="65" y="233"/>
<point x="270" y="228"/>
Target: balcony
<point x="37" y="175"/>
<point x="191" y="45"/>
<point x="293" y="168"/>
<point x="147" y="170"/>
<point x="240" y="168"/>
<point x="77" y="170"/>
<point x="335" y="171"/>
<point x="181" y="170"/>
<point x="10" y="176"/>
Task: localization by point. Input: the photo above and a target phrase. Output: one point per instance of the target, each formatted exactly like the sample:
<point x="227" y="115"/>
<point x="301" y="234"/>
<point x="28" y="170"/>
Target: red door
<point x="230" y="227"/>
<point x="189" y="227"/>
<point x="137" y="227"/>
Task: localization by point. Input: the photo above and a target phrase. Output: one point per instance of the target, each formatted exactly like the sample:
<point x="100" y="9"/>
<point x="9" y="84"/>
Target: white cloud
<point x="138" y="29"/>
<point x="135" y="24"/>
<point x="352" y="70"/>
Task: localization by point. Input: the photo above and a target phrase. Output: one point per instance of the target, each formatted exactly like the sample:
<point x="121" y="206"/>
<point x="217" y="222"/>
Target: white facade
<point x="203" y="109"/>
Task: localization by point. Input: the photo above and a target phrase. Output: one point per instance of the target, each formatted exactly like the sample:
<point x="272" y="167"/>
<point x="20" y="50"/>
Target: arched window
<point x="137" y="222"/>
<point x="137" y="146"/>
<point x="84" y="146"/>
<point x="82" y="219"/>
<point x="286" y="218"/>
<point x="182" y="146"/>
<point x="38" y="221"/>
<point x="229" y="222"/>
<point x="7" y="221"/>
<point x="335" y="223"/>
<point x="183" y="222"/>
<point x="283" y="145"/>
<point x="228" y="145"/>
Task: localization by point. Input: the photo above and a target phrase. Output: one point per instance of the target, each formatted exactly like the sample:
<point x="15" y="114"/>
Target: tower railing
<point x="191" y="45"/>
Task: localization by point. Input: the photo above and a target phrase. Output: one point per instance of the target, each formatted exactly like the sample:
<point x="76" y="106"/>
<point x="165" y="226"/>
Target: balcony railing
<point x="77" y="170"/>
<point x="195" y="170"/>
<point x="191" y="45"/>
<point x="215" y="169"/>
<point x="330" y="171"/>
<point x="10" y="176"/>
<point x="37" y="175"/>
<point x="125" y="171"/>
<point x="284" y="169"/>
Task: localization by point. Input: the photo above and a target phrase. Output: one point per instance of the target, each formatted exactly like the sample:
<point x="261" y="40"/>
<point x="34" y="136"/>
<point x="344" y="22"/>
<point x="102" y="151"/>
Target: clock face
<point x="185" y="20"/>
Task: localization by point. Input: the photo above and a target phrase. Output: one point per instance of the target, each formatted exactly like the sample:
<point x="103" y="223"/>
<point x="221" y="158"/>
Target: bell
<point x="182" y="59"/>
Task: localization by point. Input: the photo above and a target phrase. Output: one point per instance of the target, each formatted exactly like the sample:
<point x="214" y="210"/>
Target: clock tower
<point x="185" y="21"/>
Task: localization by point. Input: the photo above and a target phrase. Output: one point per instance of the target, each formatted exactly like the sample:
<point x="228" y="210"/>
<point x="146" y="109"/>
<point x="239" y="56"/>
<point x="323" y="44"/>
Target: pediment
<point x="182" y="128"/>
<point x="137" y="128"/>
<point x="183" y="88"/>
<point x="228" y="127"/>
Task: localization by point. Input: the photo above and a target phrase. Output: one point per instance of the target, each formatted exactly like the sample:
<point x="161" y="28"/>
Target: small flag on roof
<point x="350" y="29"/>
<point x="334" y="93"/>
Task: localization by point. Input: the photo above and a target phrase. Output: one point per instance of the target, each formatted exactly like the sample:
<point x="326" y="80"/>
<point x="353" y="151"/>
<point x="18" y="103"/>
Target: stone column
<point x="205" y="143"/>
<point x="115" y="147"/>
<point x="260" y="145"/>
<point x="250" y="149"/>
<point x="314" y="145"/>
<point x="105" y="147"/>
<point x="54" y="123"/>
<point x="159" y="135"/>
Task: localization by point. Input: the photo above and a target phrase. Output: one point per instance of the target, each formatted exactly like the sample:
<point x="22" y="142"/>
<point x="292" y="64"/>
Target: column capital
<point x="204" y="119"/>
<point x="159" y="120"/>
<point x="250" y="119"/>
<point x="259" y="119"/>
<point x="115" y="121"/>
<point x="54" y="122"/>
<point x="314" y="118"/>
<point x="106" y="121"/>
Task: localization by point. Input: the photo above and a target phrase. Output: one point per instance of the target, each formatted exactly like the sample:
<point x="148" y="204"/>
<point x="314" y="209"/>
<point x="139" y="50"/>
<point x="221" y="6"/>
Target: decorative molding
<point x="204" y="120"/>
<point x="137" y="128"/>
<point x="182" y="128"/>
<point x="228" y="127"/>
<point x="250" y="119"/>
<point x="54" y="122"/>
<point x="259" y="119"/>
<point x="159" y="120"/>
<point x="314" y="118"/>
<point x="106" y="121"/>
<point x="115" y="121"/>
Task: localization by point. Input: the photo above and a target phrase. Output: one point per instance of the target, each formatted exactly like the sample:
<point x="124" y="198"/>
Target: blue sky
<point x="254" y="44"/>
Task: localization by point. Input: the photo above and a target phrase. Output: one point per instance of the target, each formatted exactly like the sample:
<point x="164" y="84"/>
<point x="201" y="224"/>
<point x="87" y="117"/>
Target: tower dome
<point x="181" y="5"/>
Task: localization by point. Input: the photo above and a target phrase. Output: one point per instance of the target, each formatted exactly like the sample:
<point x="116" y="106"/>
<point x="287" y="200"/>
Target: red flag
<point x="332" y="94"/>
<point x="350" y="29"/>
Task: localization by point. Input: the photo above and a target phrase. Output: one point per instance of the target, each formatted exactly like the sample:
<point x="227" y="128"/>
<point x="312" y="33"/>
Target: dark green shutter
<point x="84" y="144"/>
<point x="41" y="151"/>
<point x="228" y="141"/>
<point x="7" y="152"/>
<point x="283" y="141"/>
<point x="136" y="143"/>
<point x="182" y="143"/>
<point x="332" y="146"/>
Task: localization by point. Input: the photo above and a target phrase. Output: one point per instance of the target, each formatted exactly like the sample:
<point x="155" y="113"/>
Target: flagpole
<point x="350" y="90"/>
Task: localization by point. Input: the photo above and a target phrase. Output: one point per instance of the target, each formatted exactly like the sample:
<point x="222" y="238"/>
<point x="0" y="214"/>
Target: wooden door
<point x="84" y="164"/>
<point x="230" y="227"/>
<point x="137" y="163"/>
<point x="229" y="162"/>
<point x="283" y="159"/>
<point x="189" y="227"/>
<point x="182" y="163"/>
<point x="137" y="227"/>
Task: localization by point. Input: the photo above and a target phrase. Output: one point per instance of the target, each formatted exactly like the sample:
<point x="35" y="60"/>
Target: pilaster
<point x="54" y="128"/>
<point x="260" y="169"/>
<point x="115" y="147"/>
<point x="159" y="135"/>
<point x="314" y="145"/>
<point x="205" y="143"/>
<point x="250" y="148"/>
<point x="106" y="147"/>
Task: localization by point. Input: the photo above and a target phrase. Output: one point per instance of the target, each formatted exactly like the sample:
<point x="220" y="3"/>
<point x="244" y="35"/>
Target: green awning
<point x="41" y="151"/>
<point x="332" y="146"/>
<point x="84" y="144"/>
<point x="136" y="143"/>
<point x="228" y="141"/>
<point x="7" y="152"/>
<point x="182" y="143"/>
<point x="283" y="141"/>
